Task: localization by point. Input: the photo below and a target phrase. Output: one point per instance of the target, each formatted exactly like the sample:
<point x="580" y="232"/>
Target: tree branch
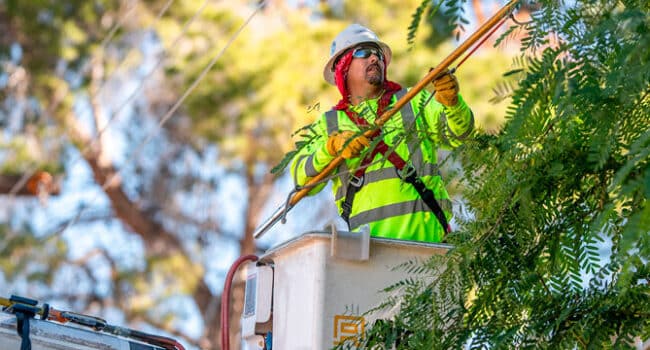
<point x="159" y="243"/>
<point x="33" y="185"/>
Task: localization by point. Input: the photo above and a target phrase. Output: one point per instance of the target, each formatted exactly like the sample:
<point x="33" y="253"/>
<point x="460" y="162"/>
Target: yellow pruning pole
<point x="384" y="117"/>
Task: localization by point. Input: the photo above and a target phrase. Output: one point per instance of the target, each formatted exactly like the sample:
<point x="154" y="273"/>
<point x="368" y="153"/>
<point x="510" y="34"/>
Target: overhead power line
<point x="118" y="25"/>
<point x="167" y="116"/>
<point x="29" y="174"/>
<point x="162" y="11"/>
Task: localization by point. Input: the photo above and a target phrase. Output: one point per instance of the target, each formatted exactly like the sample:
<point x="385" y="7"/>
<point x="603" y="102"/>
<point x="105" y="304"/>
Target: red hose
<point x="225" y="300"/>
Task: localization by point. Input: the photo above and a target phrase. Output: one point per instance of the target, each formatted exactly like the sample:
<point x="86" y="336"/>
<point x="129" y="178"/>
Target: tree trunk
<point x="158" y="242"/>
<point x="258" y="193"/>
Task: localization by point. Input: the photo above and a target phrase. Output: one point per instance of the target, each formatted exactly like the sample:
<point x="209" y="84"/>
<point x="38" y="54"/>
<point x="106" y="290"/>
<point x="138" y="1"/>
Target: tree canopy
<point x="150" y="211"/>
<point x="554" y="250"/>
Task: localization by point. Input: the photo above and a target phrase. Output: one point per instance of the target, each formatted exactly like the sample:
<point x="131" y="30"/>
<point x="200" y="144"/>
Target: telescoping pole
<point x="384" y="117"/>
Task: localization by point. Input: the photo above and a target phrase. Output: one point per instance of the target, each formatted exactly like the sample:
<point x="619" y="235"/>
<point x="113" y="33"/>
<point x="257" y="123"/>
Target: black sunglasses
<point x="365" y="52"/>
<point x="361" y="52"/>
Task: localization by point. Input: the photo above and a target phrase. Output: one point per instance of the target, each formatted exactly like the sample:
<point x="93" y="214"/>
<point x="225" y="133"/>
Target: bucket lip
<point x="325" y="236"/>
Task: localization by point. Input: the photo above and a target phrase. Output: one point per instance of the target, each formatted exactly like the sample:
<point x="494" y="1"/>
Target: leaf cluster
<point x="25" y="257"/>
<point x="444" y="16"/>
<point x="556" y="252"/>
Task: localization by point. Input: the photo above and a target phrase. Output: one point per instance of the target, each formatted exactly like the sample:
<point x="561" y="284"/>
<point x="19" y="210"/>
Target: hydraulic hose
<point x="225" y="299"/>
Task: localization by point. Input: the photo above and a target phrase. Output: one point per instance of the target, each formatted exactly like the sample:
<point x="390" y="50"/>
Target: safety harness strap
<point x="428" y="197"/>
<point x="404" y="171"/>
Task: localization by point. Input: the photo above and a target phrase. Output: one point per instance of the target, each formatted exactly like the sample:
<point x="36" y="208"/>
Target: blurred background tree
<point x="156" y="194"/>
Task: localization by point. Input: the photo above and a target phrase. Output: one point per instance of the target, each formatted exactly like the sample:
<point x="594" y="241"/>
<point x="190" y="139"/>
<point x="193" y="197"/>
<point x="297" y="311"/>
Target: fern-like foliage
<point x="307" y="135"/>
<point x="556" y="252"/>
<point x="443" y="16"/>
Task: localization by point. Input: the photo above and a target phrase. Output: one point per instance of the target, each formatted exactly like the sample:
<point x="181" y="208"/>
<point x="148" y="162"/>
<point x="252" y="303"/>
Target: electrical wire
<point x="150" y="73"/>
<point x="162" y="11"/>
<point x="188" y="91"/>
<point x="28" y="175"/>
<point x="118" y="25"/>
<point x="141" y="83"/>
<point x="165" y="118"/>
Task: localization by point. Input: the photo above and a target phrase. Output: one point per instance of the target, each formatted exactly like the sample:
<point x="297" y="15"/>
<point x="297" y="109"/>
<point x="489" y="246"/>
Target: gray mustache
<point x="374" y="66"/>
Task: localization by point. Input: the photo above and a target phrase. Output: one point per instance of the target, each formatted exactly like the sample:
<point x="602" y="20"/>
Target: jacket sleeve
<point x="312" y="157"/>
<point x="453" y="124"/>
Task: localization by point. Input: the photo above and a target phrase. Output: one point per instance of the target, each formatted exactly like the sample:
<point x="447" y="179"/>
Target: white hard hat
<point x="351" y="36"/>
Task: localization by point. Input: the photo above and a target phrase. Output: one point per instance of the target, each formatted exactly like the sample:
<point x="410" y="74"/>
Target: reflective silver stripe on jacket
<point x="310" y="171"/>
<point x="396" y="209"/>
<point x="295" y="174"/>
<point x="410" y="128"/>
<point x="332" y="120"/>
<point x="388" y="173"/>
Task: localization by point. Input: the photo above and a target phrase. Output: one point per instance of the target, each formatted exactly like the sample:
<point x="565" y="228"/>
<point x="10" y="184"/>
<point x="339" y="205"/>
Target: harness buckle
<point x="406" y="172"/>
<point x="356" y="181"/>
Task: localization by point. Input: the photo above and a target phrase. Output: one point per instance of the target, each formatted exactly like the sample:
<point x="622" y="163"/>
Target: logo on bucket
<point x="348" y="328"/>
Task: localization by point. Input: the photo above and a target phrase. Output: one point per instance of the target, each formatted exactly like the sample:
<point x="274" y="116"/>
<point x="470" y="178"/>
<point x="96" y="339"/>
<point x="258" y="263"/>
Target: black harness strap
<point x="427" y="196"/>
<point x="354" y="186"/>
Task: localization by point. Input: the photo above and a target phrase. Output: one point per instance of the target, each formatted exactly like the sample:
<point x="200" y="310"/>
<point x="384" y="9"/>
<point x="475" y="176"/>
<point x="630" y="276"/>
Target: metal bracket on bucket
<point x="354" y="246"/>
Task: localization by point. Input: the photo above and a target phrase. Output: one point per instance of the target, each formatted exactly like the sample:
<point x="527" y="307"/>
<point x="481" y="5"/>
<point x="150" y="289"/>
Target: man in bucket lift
<point x="390" y="180"/>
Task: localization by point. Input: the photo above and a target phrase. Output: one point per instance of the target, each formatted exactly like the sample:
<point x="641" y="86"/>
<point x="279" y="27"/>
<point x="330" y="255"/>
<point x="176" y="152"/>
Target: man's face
<point x="367" y="65"/>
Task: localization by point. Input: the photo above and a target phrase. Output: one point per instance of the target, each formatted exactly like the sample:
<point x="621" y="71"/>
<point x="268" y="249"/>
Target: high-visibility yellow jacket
<point x="391" y="207"/>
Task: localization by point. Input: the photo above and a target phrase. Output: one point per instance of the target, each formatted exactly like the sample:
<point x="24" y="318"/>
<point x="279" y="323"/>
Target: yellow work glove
<point x="446" y="87"/>
<point x="336" y="144"/>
